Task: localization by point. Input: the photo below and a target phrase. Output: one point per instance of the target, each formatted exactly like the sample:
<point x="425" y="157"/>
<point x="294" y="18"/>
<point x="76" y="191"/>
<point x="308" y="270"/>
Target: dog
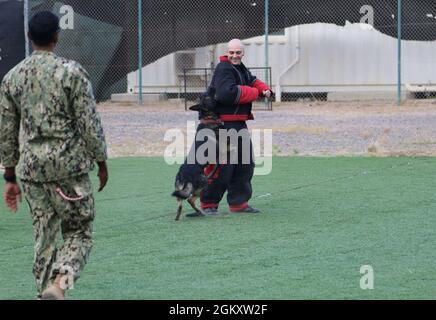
<point x="190" y="179"/>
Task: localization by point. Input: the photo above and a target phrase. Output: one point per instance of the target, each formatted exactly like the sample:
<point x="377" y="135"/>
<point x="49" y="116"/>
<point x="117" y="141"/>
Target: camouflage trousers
<point x="52" y="216"/>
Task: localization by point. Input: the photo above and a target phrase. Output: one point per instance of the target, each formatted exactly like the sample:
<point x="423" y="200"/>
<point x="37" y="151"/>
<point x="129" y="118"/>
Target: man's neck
<point x="47" y="49"/>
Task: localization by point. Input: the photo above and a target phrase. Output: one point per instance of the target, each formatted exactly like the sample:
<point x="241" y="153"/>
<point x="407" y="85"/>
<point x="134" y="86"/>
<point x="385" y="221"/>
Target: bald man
<point x="235" y="90"/>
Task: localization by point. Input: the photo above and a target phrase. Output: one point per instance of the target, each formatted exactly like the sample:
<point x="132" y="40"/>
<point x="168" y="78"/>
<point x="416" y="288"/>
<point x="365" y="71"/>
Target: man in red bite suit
<point x="235" y="89"/>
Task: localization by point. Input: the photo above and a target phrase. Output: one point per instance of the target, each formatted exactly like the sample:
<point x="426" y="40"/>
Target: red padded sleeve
<point x="248" y="94"/>
<point x="260" y="86"/>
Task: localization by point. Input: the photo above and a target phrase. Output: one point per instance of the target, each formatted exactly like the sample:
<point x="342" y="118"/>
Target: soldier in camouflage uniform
<point x="51" y="99"/>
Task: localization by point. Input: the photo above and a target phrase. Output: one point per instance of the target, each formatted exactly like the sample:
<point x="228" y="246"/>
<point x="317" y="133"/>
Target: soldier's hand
<point x="102" y="175"/>
<point x="12" y="195"/>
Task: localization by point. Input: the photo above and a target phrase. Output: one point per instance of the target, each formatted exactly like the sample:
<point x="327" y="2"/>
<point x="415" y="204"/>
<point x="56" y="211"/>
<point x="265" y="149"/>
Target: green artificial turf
<point x="321" y="220"/>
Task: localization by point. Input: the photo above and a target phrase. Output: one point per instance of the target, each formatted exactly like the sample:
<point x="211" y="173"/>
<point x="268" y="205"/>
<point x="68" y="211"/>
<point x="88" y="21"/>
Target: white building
<point x="355" y="61"/>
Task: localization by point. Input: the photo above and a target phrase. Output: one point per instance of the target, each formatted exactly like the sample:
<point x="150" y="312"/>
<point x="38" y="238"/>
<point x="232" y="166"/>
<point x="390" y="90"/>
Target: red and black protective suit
<point x="235" y="89"/>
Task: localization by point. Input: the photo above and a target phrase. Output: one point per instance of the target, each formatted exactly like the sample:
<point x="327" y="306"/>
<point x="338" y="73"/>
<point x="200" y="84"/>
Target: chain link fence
<point x="334" y="49"/>
<point x="101" y="36"/>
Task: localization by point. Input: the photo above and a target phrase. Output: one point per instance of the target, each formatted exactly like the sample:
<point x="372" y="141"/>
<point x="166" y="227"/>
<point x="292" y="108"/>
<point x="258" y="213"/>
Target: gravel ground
<point x="299" y="128"/>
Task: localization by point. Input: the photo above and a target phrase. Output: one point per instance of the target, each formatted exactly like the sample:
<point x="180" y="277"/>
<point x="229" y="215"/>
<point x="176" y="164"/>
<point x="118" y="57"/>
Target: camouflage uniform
<point x="61" y="137"/>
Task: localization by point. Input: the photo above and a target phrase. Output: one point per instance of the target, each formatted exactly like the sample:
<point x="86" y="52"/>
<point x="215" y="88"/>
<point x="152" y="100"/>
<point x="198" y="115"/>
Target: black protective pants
<point x="234" y="176"/>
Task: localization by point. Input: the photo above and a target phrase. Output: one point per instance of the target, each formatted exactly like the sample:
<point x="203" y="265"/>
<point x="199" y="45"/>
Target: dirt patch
<point x="373" y="128"/>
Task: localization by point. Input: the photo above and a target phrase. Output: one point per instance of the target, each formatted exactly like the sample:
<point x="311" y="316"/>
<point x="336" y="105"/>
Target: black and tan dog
<point x="190" y="179"/>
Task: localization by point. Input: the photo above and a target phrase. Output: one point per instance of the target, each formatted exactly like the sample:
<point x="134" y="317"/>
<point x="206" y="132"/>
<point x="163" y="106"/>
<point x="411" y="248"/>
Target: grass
<point x="323" y="218"/>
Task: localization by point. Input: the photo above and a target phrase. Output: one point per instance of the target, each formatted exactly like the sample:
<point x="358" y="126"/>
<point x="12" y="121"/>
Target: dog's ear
<point x="197" y="107"/>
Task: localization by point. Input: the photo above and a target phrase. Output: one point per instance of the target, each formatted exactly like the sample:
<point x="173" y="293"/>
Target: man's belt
<point x="236" y="117"/>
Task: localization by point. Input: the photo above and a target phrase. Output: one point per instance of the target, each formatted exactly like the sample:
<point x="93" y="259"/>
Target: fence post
<point x="270" y="77"/>
<point x="266" y="38"/>
<point x="205" y="77"/>
<point x="184" y="85"/>
<point x="140" y="50"/>
<point x="399" y="13"/>
<point x="26" y="26"/>
<point x="266" y="43"/>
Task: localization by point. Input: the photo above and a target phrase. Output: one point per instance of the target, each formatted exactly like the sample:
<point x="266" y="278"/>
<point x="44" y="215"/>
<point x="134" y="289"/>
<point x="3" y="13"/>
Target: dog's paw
<point x="195" y="214"/>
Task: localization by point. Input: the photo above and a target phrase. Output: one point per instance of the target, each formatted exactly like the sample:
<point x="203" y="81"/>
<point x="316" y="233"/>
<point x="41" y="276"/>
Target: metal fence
<point x="316" y="50"/>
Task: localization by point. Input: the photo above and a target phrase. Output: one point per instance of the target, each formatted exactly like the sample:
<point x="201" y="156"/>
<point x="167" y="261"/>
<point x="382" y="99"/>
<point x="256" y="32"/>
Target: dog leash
<point x="67" y="198"/>
<point x="210" y="175"/>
